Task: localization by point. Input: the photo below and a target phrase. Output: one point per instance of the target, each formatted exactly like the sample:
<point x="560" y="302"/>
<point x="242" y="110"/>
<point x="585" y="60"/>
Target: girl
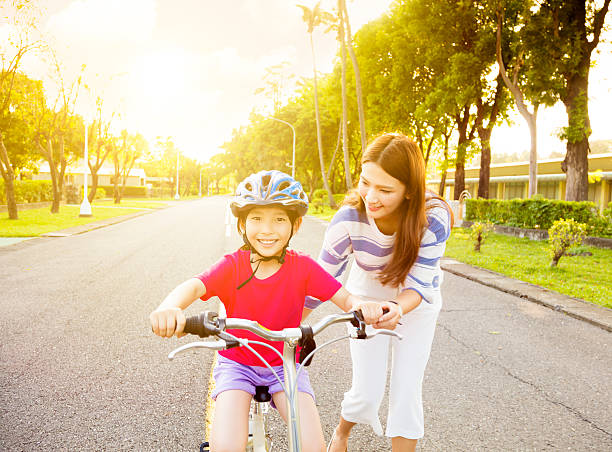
<point x="266" y="282"/>
<point x="397" y="234"/>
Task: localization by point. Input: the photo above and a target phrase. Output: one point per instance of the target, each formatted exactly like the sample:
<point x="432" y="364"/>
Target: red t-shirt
<point x="275" y="302"/>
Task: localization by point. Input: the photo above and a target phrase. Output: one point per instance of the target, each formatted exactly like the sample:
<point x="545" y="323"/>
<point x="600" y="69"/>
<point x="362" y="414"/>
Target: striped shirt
<point x="353" y="233"/>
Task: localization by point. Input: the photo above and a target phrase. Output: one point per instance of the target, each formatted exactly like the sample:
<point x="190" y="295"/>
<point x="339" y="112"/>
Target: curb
<point x="599" y="316"/>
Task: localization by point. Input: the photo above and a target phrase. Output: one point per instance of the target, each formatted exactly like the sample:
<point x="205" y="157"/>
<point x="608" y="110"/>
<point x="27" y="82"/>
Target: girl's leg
<point x="230" y="428"/>
<point x="310" y="423"/>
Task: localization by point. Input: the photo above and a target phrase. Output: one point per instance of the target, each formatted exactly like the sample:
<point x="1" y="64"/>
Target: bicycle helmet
<point x="270" y="188"/>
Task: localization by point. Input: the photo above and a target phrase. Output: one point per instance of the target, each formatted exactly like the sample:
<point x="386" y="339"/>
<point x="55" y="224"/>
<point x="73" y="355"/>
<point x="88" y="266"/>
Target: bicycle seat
<point x="262" y="394"/>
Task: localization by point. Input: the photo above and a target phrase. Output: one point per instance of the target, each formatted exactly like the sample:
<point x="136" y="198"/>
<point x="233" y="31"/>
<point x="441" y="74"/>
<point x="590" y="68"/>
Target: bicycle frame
<point x="202" y="326"/>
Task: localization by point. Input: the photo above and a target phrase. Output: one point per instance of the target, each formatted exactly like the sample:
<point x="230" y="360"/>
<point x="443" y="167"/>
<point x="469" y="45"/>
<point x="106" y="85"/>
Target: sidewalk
<point x="574" y="307"/>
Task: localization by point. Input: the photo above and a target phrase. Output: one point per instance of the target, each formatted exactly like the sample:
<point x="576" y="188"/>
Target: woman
<point x="396" y="232"/>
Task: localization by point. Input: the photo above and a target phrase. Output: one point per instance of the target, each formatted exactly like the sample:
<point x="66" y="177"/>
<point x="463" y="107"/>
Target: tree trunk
<point x="332" y="203"/>
<point x="93" y="187"/>
<point x="533" y="152"/>
<point x="462" y="124"/>
<point x="9" y="176"/>
<point x="576" y="164"/>
<point x="345" y="151"/>
<point x="485" y="162"/>
<point x="358" y="89"/>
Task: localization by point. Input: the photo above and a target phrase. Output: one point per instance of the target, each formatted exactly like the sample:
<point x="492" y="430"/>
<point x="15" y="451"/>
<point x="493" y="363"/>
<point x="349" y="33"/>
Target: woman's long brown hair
<point x="402" y="159"/>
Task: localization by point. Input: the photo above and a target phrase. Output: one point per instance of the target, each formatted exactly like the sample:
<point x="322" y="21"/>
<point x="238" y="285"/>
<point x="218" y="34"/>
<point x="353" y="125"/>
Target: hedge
<point x="29" y="191"/>
<point x="539" y="213"/>
<point x="130" y="191"/>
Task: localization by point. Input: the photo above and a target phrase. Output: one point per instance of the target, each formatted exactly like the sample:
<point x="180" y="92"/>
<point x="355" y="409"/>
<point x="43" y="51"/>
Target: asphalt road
<point x="80" y="369"/>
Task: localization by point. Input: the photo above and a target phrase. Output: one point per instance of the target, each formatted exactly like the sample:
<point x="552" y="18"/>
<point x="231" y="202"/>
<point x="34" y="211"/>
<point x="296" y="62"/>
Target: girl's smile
<point x="268" y="228"/>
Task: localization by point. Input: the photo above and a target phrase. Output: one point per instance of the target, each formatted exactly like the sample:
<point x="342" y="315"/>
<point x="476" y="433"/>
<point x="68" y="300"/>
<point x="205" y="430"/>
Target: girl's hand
<point x="168" y="322"/>
<point x="371" y="311"/>
<point x="389" y="320"/>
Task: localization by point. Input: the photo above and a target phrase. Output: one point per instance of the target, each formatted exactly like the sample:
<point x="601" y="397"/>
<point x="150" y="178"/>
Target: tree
<point x="100" y="144"/>
<point x="313" y="18"/>
<point x="529" y="79"/>
<point x="345" y="152"/>
<point x="127" y="150"/>
<point x="58" y="135"/>
<point x="563" y="34"/>
<point x="22" y="24"/>
<point x="358" y="88"/>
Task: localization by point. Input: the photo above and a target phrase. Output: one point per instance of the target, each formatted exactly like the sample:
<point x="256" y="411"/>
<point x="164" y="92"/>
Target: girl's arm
<point x="372" y="311"/>
<point x="168" y="319"/>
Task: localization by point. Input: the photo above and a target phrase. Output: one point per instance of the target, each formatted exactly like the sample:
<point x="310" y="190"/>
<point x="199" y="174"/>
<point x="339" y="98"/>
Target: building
<point x="511" y="180"/>
<point x="74" y="175"/>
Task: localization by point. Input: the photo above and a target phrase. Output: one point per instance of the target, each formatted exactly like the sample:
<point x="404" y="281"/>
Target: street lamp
<point x="85" y="210"/>
<point x="177" y="196"/>
<point x="293" y="130"/>
<point x="200" y="189"/>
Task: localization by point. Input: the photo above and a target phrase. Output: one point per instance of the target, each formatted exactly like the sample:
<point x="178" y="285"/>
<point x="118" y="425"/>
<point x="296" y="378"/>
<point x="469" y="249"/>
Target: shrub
<point x="478" y="233"/>
<point x="562" y="235"/>
<point x="538" y="213"/>
<point x="72" y="194"/>
<point x="29" y="191"/>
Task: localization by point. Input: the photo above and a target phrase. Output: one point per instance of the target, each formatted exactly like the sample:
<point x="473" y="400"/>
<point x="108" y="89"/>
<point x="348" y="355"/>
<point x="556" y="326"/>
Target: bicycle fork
<point x="293" y="418"/>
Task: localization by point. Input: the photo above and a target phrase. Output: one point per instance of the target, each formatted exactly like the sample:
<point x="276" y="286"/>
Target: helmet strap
<point x="280" y="259"/>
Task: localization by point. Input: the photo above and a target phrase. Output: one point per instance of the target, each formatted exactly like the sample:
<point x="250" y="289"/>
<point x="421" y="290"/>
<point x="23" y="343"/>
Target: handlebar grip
<point x="197" y="325"/>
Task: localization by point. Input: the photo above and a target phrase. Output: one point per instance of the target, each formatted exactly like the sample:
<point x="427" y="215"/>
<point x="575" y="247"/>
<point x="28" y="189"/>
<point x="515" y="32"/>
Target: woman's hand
<point x="389" y="320"/>
<point x="371" y="310"/>
<point x="168" y="322"/>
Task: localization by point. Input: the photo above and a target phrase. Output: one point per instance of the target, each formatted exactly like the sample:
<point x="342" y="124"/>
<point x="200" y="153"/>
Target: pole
<point x="85" y="210"/>
<point x="293" y="158"/>
<point x="177" y="196"/>
<point x="200" y="189"/>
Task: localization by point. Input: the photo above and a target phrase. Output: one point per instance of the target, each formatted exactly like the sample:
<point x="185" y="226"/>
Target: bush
<point x="479" y="231"/>
<point x="130" y="191"/>
<point x="562" y="235"/>
<point x="538" y="213"/>
<point x="72" y="194"/>
<point x="29" y="191"/>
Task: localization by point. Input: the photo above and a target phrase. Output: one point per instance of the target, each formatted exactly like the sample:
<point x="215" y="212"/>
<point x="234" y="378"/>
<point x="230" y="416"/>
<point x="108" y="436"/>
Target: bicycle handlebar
<point x="208" y="323"/>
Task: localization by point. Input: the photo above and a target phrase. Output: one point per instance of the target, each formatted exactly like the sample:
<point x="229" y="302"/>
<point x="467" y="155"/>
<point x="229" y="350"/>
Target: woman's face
<point x="381" y="192"/>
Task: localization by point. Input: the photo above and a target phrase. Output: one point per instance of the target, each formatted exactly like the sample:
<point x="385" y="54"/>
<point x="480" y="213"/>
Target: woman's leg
<point x="405" y="423"/>
<point x="399" y="444"/>
<point x="340" y="437"/>
<point x="362" y="402"/>
<point x="310" y="423"/>
<point x="230" y="428"/>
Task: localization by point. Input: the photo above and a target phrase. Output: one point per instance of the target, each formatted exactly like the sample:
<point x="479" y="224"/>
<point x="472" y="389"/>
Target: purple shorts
<point x="229" y="374"/>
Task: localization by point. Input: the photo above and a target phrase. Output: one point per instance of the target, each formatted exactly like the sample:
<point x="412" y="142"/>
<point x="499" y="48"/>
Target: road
<point x="80" y="369"/>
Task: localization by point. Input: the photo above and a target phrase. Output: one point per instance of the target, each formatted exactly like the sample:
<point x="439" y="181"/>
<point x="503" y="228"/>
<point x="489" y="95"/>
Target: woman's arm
<point x="168" y="319"/>
<point x="372" y="311"/>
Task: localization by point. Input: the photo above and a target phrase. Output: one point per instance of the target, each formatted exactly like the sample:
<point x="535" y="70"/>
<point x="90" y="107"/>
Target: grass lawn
<point x="325" y="212"/>
<point x="586" y="277"/>
<point x="34" y="222"/>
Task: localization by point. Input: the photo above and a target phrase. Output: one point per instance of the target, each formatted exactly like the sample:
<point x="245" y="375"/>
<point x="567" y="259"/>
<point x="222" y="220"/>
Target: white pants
<point x="408" y="361"/>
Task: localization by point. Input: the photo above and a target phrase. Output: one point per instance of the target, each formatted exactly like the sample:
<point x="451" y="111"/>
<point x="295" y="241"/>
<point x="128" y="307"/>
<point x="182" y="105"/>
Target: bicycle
<point x="208" y="323"/>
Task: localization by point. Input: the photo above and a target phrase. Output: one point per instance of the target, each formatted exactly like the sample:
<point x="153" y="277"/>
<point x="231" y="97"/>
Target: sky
<point x="189" y="69"/>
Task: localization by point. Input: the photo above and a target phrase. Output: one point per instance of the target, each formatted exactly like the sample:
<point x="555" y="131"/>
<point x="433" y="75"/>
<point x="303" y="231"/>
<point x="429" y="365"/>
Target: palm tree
<point x="313" y="18"/>
<point x="342" y="39"/>
<point x="349" y="42"/>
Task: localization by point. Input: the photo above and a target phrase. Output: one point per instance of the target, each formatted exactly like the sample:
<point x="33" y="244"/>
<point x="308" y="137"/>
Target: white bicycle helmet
<point x="270" y="188"/>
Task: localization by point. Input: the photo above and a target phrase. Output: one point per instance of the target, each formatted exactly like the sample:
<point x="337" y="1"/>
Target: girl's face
<point x="381" y="192"/>
<point x="268" y="229"/>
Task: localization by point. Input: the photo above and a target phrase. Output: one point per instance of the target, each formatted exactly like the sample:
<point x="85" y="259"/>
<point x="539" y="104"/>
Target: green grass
<point x="325" y="212"/>
<point x="34" y="222"/>
<point x="586" y="277"/>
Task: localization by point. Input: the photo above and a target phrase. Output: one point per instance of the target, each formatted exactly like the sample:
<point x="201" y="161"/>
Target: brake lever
<point x="211" y="345"/>
<point x="376" y="332"/>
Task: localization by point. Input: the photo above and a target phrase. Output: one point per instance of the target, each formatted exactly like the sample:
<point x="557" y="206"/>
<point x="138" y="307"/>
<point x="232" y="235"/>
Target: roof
<point x="77" y="168"/>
